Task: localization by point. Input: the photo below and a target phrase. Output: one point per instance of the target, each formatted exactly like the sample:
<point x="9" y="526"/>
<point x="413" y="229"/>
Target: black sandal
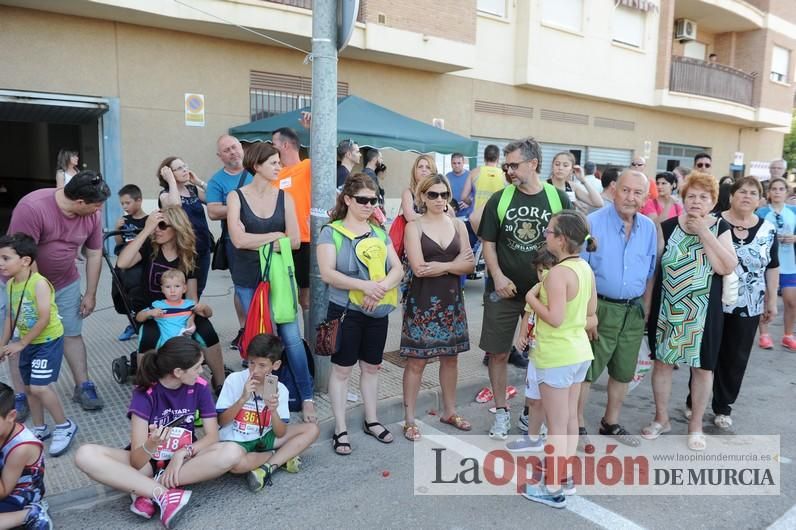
<point x="338" y="444"/>
<point x="366" y="427"/>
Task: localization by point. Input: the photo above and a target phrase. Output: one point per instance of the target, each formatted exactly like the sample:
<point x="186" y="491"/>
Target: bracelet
<point x="151" y="454"/>
<point x="189" y="449"/>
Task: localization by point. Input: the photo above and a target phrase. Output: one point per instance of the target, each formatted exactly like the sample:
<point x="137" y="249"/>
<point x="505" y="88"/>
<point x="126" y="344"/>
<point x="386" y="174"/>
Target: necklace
<point x="738" y="228"/>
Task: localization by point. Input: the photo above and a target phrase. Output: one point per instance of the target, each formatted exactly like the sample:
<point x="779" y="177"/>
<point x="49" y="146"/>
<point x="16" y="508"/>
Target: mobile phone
<point x="176" y="421"/>
<point x="270" y="386"/>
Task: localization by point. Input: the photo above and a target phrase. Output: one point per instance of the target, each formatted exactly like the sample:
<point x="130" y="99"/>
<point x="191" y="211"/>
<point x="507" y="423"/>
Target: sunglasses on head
<point x="434" y="195"/>
<point x="373" y="201"/>
<point x="163" y="225"/>
<point x="703" y="165"/>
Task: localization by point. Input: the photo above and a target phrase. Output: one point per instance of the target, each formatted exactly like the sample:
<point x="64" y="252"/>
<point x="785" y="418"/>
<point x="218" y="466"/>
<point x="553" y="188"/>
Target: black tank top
<point x="246" y="268"/>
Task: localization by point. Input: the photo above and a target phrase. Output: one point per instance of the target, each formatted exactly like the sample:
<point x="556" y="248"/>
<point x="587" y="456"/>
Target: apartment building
<point x="129" y="83"/>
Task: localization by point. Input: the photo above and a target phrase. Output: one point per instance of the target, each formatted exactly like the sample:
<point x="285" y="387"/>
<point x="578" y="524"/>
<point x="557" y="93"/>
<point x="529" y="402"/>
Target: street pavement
<point x="333" y="491"/>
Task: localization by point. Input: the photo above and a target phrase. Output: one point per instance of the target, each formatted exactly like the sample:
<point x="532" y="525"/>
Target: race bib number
<point x="178" y="438"/>
<point x="245" y="421"/>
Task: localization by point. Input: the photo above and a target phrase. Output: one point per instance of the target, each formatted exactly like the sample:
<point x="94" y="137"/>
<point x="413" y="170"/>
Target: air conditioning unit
<point x="685" y="29"/>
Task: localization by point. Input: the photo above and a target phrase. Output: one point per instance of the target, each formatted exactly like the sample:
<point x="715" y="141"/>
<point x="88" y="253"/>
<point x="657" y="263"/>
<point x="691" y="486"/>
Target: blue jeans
<point x="202" y="269"/>
<point x="291" y="339"/>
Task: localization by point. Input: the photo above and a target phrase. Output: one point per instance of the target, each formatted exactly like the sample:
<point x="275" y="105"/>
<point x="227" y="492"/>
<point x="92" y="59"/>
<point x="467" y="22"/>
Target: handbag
<point x="729" y="289"/>
<point x="282" y="277"/>
<point x="327" y="338"/>
<point x="397" y="234"/>
<point x="220" y="260"/>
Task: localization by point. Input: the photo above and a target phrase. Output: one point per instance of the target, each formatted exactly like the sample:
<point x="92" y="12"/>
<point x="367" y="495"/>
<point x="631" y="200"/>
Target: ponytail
<point x="178" y="352"/>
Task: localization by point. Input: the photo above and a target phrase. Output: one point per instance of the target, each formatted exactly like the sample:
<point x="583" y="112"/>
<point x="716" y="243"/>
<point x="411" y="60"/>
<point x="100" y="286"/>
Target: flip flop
<point x="697" y="441"/>
<point x="655" y="429"/>
<point x="485" y="395"/>
<point x="458" y="422"/>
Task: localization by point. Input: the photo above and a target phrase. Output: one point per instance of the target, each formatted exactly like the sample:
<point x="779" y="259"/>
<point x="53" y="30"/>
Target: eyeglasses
<point x="373" y="201"/>
<point x="434" y="195"/>
<point x="548" y="231"/>
<point x="512" y="166"/>
<point x="181" y="168"/>
<point x="163" y="225"/>
<point x="703" y="165"/>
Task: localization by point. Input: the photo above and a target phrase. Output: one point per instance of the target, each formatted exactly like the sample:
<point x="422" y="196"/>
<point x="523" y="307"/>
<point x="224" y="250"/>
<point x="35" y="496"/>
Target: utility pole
<point x="323" y="142"/>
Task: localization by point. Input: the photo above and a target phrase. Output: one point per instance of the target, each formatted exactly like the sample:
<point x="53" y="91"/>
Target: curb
<point x="391" y="410"/>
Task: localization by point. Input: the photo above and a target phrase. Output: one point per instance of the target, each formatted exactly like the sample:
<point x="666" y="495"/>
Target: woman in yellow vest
<point x="566" y="305"/>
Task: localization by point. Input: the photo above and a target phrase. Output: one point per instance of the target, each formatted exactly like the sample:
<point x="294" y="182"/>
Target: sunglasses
<point x="373" y="201"/>
<point x="703" y="165"/>
<point x="163" y="225"/>
<point x="434" y="195"/>
<point x="780" y="221"/>
<point x="512" y="166"/>
<point x="637" y="164"/>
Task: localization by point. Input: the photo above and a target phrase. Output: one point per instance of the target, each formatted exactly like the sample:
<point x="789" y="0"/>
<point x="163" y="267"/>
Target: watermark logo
<point x="478" y="465"/>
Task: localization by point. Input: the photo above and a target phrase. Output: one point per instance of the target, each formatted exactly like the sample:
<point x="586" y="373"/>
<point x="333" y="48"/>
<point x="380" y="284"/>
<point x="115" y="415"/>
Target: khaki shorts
<point x="500" y="323"/>
<point x="620" y="328"/>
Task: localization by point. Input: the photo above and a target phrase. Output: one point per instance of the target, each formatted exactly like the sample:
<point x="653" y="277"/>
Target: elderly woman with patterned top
<point x="784" y="220"/>
<point x="686" y="319"/>
<point x="756" y="245"/>
<point x="181" y="187"/>
<point x="167" y="242"/>
<point x="434" y="321"/>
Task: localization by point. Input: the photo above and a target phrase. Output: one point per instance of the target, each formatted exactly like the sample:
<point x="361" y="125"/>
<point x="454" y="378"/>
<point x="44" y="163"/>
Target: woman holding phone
<point x="167" y="381"/>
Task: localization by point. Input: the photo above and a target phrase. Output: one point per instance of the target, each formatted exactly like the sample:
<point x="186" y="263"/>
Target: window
<point x="629" y="26"/>
<point x="780" y="64"/>
<point x="272" y="93"/>
<point x="564" y="13"/>
<point x="672" y="155"/>
<point x="493" y="7"/>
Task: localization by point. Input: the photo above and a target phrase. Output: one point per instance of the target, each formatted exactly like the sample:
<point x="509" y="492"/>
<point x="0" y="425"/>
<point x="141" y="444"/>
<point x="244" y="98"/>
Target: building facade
<point x="605" y="79"/>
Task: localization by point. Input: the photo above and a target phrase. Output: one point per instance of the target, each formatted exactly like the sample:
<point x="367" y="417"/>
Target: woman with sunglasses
<point x="784" y="220"/>
<point x="260" y="213"/>
<point x="434" y="321"/>
<point x="361" y="336"/>
<point x="569" y="178"/>
<point x="181" y="187"/>
<point x="168" y="242"/>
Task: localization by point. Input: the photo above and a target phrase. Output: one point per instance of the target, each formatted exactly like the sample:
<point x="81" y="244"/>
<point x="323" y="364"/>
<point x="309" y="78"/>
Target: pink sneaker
<point x="789" y="342"/>
<point x="765" y="342"/>
<point x="484" y="396"/>
<point x="142" y="506"/>
<point x="172" y="502"/>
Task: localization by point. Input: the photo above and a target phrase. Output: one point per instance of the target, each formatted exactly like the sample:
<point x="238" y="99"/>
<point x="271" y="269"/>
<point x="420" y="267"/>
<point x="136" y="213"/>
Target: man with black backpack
<point x="512" y="231"/>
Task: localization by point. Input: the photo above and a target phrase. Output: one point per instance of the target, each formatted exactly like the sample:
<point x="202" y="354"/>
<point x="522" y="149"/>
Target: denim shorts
<point x="40" y="364"/>
<point x="563" y="376"/>
<point x="68" y="301"/>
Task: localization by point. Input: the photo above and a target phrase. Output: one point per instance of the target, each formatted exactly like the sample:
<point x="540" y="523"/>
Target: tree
<point x="789" y="147"/>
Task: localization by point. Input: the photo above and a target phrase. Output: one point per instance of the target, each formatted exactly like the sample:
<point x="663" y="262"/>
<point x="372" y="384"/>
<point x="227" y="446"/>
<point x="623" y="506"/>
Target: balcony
<point x="692" y="76"/>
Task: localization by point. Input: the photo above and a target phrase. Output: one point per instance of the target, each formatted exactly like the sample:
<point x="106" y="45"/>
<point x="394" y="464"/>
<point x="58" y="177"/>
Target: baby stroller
<point x="124" y="285"/>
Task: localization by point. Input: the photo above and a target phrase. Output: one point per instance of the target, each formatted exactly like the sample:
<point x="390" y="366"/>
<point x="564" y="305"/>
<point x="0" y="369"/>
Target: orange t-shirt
<point x="297" y="181"/>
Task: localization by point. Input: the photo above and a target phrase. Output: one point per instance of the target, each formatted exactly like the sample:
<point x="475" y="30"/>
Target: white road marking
<point x="788" y="520"/>
<point x="586" y="509"/>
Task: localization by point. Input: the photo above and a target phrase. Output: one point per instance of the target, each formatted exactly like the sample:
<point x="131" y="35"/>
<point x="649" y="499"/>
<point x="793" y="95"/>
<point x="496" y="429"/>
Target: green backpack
<point x="282" y="277"/>
<point x="508" y="193"/>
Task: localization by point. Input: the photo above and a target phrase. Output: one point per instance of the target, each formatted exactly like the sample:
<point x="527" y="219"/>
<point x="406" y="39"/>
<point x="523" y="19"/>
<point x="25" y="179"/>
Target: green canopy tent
<point x="369" y="125"/>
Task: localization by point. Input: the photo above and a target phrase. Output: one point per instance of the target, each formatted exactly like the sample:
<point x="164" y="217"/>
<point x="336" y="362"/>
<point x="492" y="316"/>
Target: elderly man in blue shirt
<point x="624" y="271"/>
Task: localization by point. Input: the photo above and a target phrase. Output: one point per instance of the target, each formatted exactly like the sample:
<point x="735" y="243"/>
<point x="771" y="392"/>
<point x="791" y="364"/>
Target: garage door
<point x="614" y="157"/>
<point x="483" y="142"/>
<point x="551" y="150"/>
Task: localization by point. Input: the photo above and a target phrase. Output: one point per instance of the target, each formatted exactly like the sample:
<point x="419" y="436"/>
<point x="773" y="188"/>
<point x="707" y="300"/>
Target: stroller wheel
<point x="120" y="369"/>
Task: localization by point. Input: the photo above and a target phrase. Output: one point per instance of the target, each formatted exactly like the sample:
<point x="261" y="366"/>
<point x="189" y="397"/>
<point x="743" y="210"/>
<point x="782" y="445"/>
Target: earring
<point x="446" y="208"/>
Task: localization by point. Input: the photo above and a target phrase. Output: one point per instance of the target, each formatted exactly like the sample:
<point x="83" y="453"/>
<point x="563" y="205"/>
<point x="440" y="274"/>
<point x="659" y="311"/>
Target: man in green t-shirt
<point x="511" y="237"/>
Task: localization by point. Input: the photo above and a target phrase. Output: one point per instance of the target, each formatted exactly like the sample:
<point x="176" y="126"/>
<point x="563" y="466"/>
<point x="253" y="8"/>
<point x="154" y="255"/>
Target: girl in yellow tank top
<point x="566" y="305"/>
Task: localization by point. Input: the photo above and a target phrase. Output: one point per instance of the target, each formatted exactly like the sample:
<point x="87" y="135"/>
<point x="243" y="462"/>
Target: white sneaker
<point x="42" y="432"/>
<point x="500" y="429"/>
<point x="63" y="438"/>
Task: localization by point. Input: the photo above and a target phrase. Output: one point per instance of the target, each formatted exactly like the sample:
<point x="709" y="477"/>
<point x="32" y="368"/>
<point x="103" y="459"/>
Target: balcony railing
<point x="692" y="76"/>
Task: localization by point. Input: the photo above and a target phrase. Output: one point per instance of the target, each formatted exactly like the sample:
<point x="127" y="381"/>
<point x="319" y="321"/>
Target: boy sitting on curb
<point x="257" y="424"/>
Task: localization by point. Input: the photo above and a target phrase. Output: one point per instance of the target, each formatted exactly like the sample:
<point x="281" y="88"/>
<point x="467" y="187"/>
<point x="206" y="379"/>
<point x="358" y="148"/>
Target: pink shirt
<point x="59" y="237"/>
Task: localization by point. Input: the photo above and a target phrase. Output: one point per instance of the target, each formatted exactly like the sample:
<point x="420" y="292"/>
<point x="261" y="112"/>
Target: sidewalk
<point x="66" y="484"/>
